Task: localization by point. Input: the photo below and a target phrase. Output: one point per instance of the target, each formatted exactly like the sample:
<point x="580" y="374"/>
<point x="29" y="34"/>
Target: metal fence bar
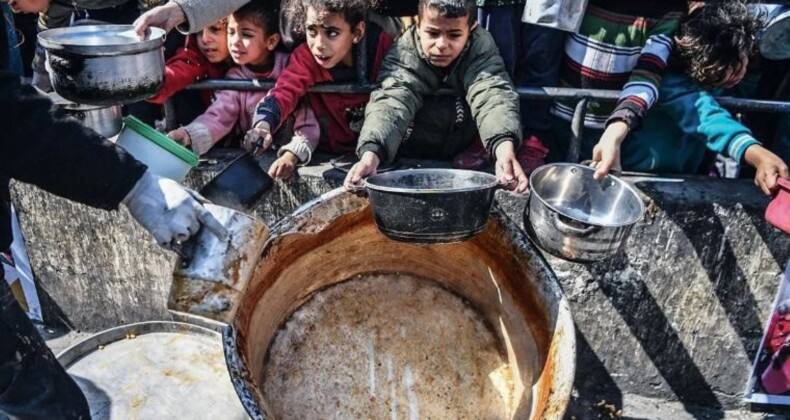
<point x="734" y="104"/>
<point x="577" y="130"/>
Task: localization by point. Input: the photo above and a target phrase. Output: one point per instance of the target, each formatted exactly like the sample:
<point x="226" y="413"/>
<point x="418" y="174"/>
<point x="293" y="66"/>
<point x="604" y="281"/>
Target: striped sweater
<point x="621" y="45"/>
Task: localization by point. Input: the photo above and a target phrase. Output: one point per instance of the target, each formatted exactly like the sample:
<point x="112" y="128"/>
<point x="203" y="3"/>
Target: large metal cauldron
<point x="335" y="238"/>
<point x="104" y="64"/>
<point x="573" y="216"/>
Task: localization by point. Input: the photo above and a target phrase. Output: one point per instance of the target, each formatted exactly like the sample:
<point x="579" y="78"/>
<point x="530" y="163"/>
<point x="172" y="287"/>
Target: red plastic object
<point x="778" y="211"/>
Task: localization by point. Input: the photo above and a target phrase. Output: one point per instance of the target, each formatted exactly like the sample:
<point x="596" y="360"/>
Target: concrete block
<point x="677" y="315"/>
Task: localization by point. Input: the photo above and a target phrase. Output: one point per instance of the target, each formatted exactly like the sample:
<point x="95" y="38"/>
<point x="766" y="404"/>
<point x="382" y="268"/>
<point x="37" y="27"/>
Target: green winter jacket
<point x="407" y="76"/>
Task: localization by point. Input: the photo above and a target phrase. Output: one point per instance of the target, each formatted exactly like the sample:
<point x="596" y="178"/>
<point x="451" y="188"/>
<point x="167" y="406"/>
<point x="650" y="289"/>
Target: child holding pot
<point x="446" y="48"/>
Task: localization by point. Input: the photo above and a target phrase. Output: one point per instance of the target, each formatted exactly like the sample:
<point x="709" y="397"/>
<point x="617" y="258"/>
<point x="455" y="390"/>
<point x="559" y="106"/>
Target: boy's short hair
<point x="716" y="37"/>
<point x="451" y="8"/>
<point x="263" y="13"/>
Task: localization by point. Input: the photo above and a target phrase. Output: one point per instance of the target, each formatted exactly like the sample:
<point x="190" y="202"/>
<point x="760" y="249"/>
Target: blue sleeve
<point x="699" y="115"/>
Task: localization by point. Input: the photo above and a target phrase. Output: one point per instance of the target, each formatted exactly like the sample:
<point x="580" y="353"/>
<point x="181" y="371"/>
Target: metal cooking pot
<point x="105" y="120"/>
<point x="431" y="205"/>
<point x="104" y="64"/>
<point x="571" y="215"/>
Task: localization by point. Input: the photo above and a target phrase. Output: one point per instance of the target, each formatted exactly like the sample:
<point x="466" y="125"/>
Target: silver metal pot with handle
<point x="105" y="120"/>
<point x="104" y="64"/>
<point x="572" y="216"/>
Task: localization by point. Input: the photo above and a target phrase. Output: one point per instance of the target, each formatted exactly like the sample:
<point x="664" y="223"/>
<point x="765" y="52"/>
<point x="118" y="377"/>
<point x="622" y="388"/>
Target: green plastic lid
<point x="162" y="140"/>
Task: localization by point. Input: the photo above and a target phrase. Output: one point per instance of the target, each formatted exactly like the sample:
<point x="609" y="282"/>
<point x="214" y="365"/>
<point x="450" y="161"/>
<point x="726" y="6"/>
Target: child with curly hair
<point x="714" y="44"/>
<point x="333" y="30"/>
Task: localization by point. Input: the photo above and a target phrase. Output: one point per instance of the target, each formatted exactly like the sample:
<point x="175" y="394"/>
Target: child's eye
<point x="332" y="34"/>
<point x="311" y="32"/>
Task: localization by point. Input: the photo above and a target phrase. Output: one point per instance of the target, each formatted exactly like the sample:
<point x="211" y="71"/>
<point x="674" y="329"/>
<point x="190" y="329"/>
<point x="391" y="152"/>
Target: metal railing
<point x="577" y="123"/>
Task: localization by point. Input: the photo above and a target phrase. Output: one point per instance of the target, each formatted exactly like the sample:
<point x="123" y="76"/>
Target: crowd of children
<point x="668" y="59"/>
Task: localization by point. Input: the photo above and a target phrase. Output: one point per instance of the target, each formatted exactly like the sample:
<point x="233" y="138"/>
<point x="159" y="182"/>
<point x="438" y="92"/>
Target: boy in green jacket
<point x="446" y="49"/>
<point x="713" y="46"/>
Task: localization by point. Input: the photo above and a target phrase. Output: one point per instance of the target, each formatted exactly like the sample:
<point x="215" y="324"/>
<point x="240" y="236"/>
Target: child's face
<point x="249" y="44"/>
<point x="331" y="38"/>
<point x="212" y="42"/>
<point x="734" y="75"/>
<point x="442" y="39"/>
<point x="27" y="6"/>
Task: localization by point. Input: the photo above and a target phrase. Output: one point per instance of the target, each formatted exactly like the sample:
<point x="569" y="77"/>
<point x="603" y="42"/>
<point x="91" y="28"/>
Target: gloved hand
<point x="170" y="212"/>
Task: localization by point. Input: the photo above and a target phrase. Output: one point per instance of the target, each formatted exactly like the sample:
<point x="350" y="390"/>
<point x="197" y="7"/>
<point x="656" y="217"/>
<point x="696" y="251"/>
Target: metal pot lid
<point x="101" y="40"/>
<point x="570" y="190"/>
<point x="431" y="181"/>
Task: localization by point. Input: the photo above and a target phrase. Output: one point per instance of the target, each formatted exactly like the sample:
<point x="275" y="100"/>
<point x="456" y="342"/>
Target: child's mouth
<point x="322" y="58"/>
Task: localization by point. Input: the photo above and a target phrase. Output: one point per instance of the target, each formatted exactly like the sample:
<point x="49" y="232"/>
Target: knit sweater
<point x="618" y="48"/>
<point x="232" y="109"/>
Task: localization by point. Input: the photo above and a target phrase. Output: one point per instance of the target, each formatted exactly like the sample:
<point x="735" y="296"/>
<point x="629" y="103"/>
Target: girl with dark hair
<point x="333" y="31"/>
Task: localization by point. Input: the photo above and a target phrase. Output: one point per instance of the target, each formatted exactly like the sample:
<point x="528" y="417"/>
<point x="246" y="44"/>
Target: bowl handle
<point x="572" y="230"/>
<point x="504" y="184"/>
<point x="357" y="188"/>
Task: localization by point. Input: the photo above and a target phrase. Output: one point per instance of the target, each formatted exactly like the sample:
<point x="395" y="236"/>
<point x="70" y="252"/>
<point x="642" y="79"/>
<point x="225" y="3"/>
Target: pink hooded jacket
<point x="231" y="107"/>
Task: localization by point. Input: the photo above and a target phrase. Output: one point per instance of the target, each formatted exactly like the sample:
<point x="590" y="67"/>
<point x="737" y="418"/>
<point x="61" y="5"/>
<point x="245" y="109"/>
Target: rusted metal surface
<point x="335" y="238"/>
<point x="218" y="270"/>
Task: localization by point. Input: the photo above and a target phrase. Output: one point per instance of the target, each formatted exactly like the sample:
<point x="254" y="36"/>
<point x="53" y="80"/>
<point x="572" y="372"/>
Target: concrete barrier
<point x="678" y="315"/>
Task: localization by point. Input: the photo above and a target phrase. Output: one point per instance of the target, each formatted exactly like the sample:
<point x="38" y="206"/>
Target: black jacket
<point x="41" y="145"/>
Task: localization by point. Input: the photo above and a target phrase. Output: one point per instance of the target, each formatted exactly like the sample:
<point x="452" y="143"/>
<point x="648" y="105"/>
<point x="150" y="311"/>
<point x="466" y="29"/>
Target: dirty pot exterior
<point x="212" y="273"/>
<point x="499" y="271"/>
<point x="101" y="65"/>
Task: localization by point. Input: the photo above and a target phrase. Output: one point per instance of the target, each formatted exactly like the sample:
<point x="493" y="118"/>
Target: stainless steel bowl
<point x="573" y="216"/>
<point x="104" y="64"/>
<point x="105" y="120"/>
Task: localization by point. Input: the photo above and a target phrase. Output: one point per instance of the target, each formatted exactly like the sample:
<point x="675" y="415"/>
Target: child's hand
<point x="508" y="170"/>
<point x="181" y="136"/>
<point x="259" y="137"/>
<point x="283" y="167"/>
<point x="769" y="167"/>
<point x="606" y="154"/>
<point x="366" y="167"/>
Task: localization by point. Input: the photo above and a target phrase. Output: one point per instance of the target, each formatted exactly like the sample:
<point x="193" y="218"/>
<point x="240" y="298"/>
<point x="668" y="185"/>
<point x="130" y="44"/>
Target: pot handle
<point x="501" y="184"/>
<point x="357" y="188"/>
<point x="67" y="67"/>
<point x="572" y="230"/>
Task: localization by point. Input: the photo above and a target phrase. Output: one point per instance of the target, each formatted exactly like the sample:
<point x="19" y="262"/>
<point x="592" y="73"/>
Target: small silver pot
<point x="104" y="64"/>
<point x="572" y="216"/>
<point x="105" y="120"/>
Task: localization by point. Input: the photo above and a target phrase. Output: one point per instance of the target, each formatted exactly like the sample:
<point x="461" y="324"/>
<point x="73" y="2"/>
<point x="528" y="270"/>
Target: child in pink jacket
<point x="252" y="38"/>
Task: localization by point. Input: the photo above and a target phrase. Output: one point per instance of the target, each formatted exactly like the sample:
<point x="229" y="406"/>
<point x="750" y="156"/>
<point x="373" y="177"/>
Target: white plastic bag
<point x="565" y="15"/>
